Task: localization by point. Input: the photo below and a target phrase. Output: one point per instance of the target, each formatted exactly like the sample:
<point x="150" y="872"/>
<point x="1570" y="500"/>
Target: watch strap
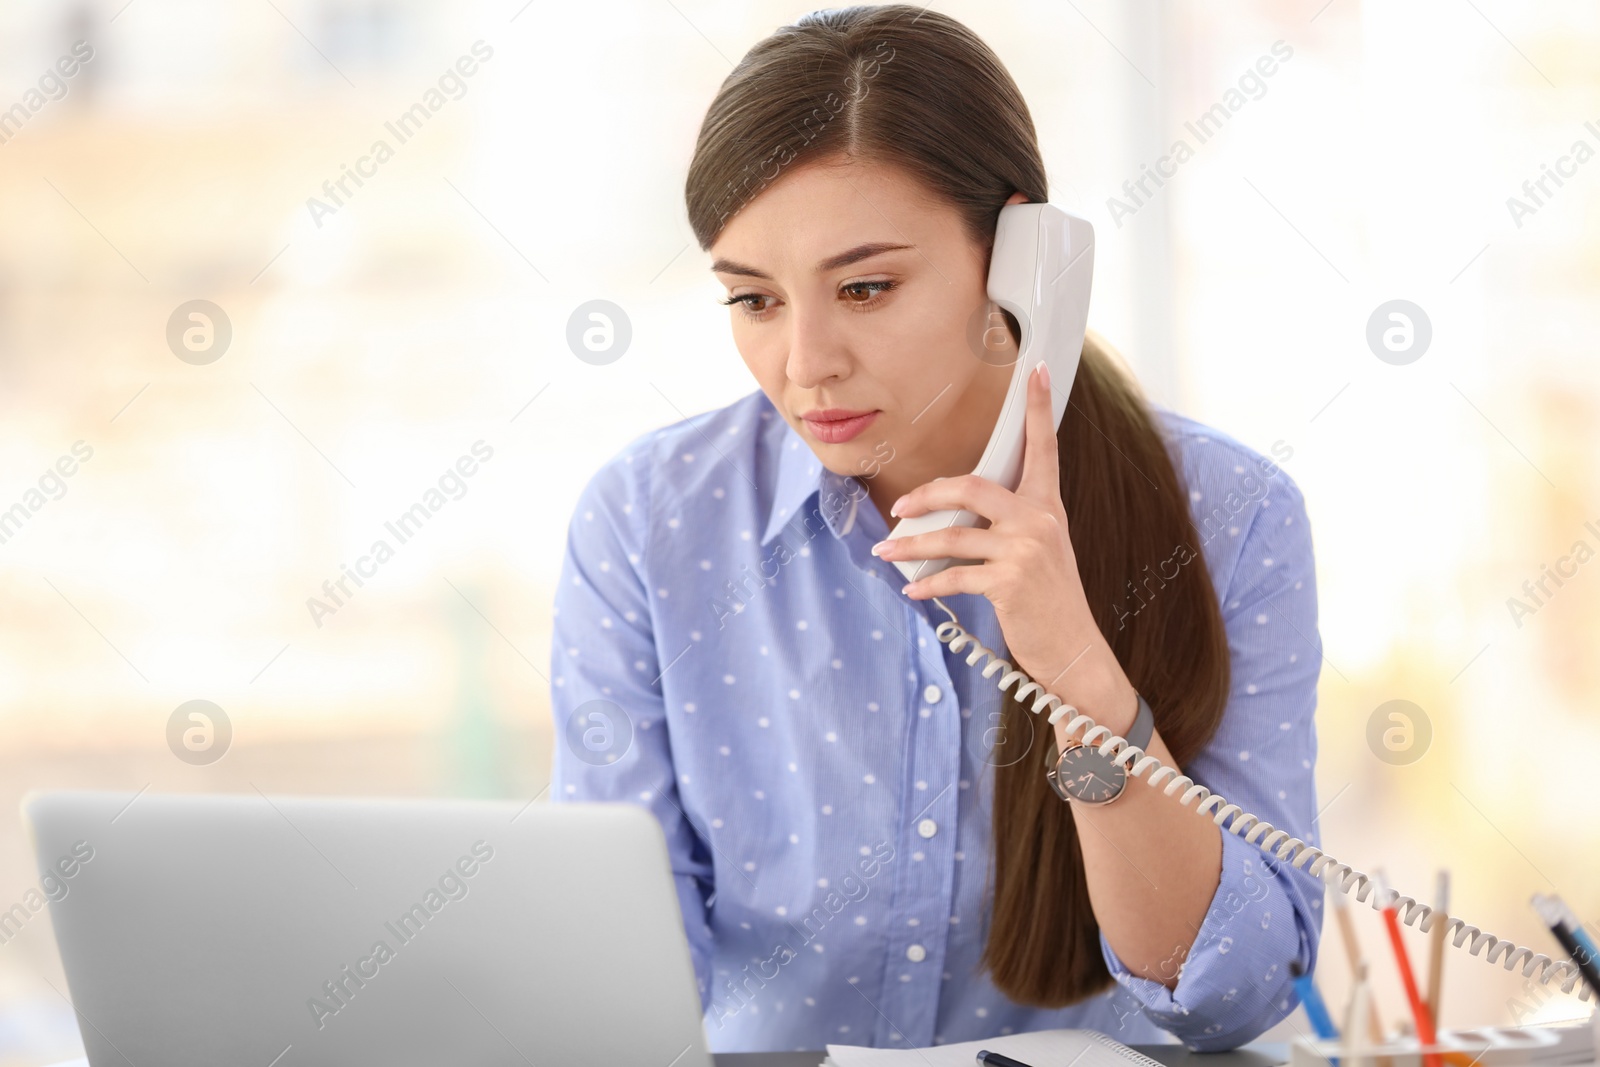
<point x="1138" y="735"/>
<point x="1144" y="725"/>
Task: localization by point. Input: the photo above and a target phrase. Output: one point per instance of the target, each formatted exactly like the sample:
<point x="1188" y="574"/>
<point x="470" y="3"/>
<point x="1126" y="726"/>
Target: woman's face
<point x="857" y="293"/>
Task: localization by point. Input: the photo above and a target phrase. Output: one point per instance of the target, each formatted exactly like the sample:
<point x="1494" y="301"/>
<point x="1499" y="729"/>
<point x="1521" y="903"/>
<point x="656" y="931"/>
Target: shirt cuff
<point x="1234" y="983"/>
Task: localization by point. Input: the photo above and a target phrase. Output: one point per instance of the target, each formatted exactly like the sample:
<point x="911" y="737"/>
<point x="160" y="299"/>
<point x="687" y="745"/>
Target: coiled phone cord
<point x="1263" y="835"/>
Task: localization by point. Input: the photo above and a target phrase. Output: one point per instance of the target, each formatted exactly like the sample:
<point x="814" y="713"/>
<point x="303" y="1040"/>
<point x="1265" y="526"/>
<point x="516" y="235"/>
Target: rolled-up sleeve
<point x="1235" y="982"/>
<point x="611" y="736"/>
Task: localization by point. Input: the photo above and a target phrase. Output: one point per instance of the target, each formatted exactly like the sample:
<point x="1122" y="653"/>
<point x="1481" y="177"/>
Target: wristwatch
<point x="1082" y="774"/>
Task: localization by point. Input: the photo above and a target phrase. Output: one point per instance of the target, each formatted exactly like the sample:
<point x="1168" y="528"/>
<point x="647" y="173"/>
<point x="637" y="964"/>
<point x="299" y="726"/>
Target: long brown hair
<point x="909" y="87"/>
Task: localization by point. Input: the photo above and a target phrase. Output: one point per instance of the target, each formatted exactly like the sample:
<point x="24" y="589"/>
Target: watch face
<point x="1088" y="777"/>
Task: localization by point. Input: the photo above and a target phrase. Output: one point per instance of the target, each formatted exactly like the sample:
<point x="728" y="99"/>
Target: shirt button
<point x="931" y="695"/>
<point x="927" y="827"/>
<point x="916" y="953"/>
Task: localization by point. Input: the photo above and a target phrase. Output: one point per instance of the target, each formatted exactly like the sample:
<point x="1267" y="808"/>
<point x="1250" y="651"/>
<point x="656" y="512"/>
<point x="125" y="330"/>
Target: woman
<point x="866" y="847"/>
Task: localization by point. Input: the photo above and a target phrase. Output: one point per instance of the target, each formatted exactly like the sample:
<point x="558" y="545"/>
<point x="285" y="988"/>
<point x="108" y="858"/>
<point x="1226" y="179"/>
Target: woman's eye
<point x="863" y="295"/>
<point x="745" y="305"/>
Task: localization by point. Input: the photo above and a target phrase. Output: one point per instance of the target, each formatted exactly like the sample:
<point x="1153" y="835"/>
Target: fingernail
<point x="1044" y="373"/>
<point x="879" y="547"/>
<point x="894" y="509"/>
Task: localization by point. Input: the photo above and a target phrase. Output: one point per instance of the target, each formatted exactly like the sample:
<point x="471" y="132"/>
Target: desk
<point x="1261" y="1054"/>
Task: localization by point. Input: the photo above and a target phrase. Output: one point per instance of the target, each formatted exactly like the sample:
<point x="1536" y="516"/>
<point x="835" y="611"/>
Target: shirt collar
<point x="802" y="475"/>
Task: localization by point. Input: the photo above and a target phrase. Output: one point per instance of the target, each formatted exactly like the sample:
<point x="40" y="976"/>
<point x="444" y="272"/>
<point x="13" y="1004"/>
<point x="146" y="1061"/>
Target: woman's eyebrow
<point x="843" y="259"/>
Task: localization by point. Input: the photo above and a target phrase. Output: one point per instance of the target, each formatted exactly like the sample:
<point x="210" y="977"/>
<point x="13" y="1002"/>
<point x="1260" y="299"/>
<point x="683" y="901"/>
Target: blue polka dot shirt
<point x="728" y="653"/>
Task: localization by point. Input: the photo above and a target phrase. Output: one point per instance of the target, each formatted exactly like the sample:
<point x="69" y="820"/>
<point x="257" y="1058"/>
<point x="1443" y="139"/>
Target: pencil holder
<point x="1486" y="1046"/>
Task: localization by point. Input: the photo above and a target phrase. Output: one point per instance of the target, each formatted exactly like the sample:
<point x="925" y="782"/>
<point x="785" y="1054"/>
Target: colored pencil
<point x="1352" y="951"/>
<point x="1440" y="919"/>
<point x="1419" y="1010"/>
<point x="1360" y="1001"/>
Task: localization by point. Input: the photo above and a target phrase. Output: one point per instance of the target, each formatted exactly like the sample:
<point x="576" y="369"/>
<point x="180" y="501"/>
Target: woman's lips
<point x="836" y="431"/>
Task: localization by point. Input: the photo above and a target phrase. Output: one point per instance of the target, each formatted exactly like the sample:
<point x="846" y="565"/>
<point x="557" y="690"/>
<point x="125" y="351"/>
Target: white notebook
<point x="1038" y="1048"/>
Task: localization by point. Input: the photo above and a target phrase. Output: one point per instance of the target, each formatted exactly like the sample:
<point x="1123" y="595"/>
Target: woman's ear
<point x="1016" y="198"/>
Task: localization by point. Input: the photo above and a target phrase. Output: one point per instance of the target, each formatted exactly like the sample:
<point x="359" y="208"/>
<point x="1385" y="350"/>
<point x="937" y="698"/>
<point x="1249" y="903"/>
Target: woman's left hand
<point x="1027" y="570"/>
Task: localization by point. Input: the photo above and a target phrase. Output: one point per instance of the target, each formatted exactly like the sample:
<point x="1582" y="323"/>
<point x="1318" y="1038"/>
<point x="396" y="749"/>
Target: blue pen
<point x="1572" y="936"/>
<point x="1579" y="932"/>
<point x="996" y="1059"/>
<point x="1316" y="1010"/>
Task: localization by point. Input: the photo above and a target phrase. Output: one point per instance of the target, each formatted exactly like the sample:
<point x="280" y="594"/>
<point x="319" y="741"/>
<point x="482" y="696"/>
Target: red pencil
<point x="1419" y="1010"/>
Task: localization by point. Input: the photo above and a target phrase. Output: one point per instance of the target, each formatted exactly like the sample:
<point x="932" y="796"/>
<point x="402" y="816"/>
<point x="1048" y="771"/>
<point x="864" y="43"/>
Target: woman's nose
<point x="816" y="348"/>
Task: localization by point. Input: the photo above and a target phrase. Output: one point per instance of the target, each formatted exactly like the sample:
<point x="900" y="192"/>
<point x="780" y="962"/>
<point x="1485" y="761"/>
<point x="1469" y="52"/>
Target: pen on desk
<point x="1419" y="1010"/>
<point x="995" y="1059"/>
<point x="1551" y="910"/>
<point x="1439" y="920"/>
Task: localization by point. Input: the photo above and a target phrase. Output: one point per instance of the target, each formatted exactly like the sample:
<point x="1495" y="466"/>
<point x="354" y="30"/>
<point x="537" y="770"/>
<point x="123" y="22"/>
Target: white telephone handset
<point x="1040" y="269"/>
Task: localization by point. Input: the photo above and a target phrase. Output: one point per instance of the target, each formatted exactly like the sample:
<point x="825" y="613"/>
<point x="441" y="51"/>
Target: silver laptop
<point x="293" y="931"/>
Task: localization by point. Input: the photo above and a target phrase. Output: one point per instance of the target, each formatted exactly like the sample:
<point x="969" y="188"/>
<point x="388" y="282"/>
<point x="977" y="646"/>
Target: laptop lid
<point x="289" y="931"/>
